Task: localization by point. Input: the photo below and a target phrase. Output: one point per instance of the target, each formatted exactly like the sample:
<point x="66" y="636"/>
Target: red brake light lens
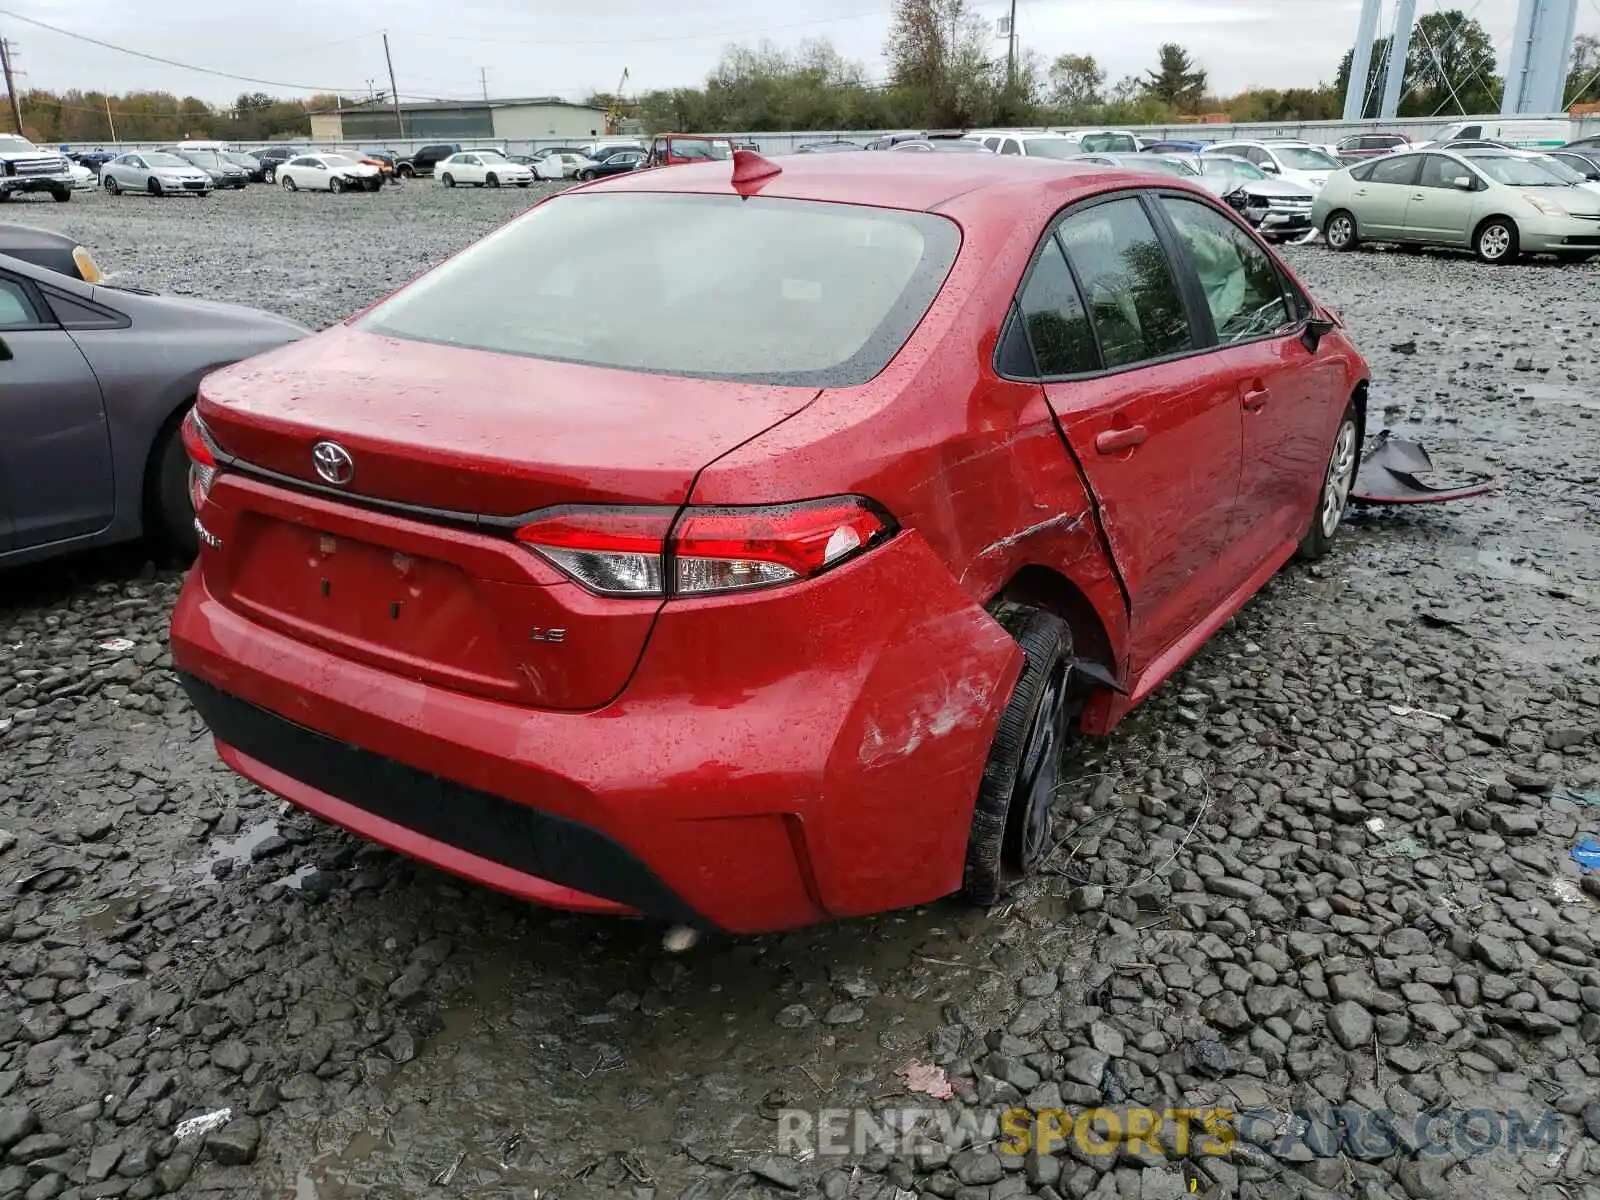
<point x="638" y="552"/>
<point x="202" y="453"/>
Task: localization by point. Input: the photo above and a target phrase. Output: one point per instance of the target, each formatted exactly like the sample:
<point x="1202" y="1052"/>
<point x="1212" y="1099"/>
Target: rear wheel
<point x="405" y="171"/>
<point x="170" y="513"/>
<point x="1340" y="231"/>
<point x="1496" y="242"/>
<point x="492" y="179"/>
<point x="1011" y="821"/>
<point x="1337" y="483"/>
<point x="62" y="195"/>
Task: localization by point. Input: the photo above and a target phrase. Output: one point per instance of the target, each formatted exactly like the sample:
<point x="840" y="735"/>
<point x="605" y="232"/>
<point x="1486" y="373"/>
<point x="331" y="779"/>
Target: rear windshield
<point x="713" y="287"/>
<point x="698" y="148"/>
<point x="1109" y="143"/>
<point x="1051" y="147"/>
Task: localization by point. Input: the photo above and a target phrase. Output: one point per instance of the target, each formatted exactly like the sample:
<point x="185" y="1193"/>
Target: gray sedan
<point x="94" y="382"/>
<point x="155" y="172"/>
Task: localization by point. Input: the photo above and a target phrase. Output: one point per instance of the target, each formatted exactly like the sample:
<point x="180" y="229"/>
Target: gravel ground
<point x="1325" y="870"/>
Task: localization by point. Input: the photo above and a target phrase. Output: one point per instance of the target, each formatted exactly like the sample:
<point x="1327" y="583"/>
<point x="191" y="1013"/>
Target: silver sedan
<point x="156" y="173"/>
<point x="1498" y="203"/>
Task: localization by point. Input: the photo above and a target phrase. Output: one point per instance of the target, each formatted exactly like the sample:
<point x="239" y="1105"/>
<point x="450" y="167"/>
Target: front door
<point x="1381" y="198"/>
<point x="1440" y="211"/>
<point x="1288" y="400"/>
<point x="1157" y="433"/>
<point x="55" y="450"/>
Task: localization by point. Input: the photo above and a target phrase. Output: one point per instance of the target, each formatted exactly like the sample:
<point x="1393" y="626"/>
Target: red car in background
<point x="756" y="567"/>
<point x="681" y="149"/>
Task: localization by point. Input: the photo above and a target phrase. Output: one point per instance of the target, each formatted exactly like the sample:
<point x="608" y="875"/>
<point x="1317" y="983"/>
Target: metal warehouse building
<point x="455" y="121"/>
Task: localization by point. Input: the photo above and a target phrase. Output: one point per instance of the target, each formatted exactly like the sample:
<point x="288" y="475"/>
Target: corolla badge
<point x="333" y="463"/>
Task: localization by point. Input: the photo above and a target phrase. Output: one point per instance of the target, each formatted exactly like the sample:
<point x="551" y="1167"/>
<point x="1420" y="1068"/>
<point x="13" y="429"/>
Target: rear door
<point x="1439" y="211"/>
<point x="56" y="478"/>
<point x="1288" y="399"/>
<point x="1382" y="195"/>
<point x="1156" y="432"/>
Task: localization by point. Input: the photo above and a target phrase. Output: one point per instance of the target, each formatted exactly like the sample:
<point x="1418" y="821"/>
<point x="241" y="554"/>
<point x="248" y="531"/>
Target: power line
<point x="636" y="41"/>
<point x="83" y="37"/>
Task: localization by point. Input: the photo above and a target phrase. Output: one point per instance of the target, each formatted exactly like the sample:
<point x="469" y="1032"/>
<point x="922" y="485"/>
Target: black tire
<point x="61" y="195"/>
<point x="4" y="196"/>
<point x="585" y="175"/>
<point x="289" y="184"/>
<point x="405" y="171"/>
<point x="1496" y="241"/>
<point x="335" y="186"/>
<point x="170" y="515"/>
<point x="270" y="175"/>
<point x="492" y="179"/>
<point x="110" y="186"/>
<point x="449" y="179"/>
<point x="201" y="195"/>
<point x="155" y="187"/>
<point x="1338" y="480"/>
<point x="1011" y="837"/>
<point x="1341" y="232"/>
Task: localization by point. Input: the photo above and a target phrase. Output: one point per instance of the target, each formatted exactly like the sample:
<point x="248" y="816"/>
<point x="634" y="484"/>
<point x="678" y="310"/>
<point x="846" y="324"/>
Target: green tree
<point x="1077" y="85"/>
<point x="939" y="63"/>
<point x="1177" y="82"/>
<point x="1451" y="67"/>
<point x="1583" y="81"/>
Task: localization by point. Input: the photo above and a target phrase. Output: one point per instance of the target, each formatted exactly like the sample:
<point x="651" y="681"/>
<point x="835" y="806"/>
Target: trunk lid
<point x="472" y="433"/>
<point x="478" y="432"/>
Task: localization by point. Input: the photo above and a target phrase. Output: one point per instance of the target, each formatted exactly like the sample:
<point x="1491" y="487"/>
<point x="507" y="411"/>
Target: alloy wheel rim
<point x="1341" y="477"/>
<point x="1339" y="234"/>
<point x="1039" y="776"/>
<point x="1496" y="241"/>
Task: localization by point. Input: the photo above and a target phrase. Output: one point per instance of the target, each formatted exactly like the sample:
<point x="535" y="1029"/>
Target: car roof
<point x="26" y="237"/>
<point x="918" y="182"/>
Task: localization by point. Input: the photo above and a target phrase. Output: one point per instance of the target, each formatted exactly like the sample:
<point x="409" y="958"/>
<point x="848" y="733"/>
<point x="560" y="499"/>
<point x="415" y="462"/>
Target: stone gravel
<point x="1324" y="871"/>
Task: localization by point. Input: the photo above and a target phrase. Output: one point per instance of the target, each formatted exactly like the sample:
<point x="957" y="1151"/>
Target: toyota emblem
<point x="333" y="463"/>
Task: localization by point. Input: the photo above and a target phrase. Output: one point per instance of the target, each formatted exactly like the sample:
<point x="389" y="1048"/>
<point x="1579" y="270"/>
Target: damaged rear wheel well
<point x="1051" y="592"/>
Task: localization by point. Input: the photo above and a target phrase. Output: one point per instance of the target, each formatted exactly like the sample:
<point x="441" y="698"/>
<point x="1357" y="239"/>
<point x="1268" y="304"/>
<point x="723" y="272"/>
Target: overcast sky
<point x="567" y="47"/>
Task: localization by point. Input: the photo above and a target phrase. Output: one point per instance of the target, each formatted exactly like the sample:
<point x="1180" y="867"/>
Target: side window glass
<point x="1009" y="146"/>
<point x="1058" y="326"/>
<point x="1471" y="131"/>
<point x="16" y="310"/>
<point x="1127" y="281"/>
<point x="1402" y="171"/>
<point x="1240" y="282"/>
<point x="993" y="143"/>
<point x="1438" y="171"/>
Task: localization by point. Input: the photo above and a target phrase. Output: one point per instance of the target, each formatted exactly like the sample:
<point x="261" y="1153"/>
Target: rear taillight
<point x="640" y="552"/>
<point x="202" y="453"/>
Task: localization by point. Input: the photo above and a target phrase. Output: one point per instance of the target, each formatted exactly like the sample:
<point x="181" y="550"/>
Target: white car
<point x="1296" y="162"/>
<point x="1029" y="145"/>
<point x="328" y="173"/>
<point x="82" y="176"/>
<point x="482" y="168"/>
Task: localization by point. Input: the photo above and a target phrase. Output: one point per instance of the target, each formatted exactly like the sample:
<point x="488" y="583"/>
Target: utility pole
<point x="1355" y="94"/>
<point x="394" y="89"/>
<point x="483" y="75"/>
<point x="109" y="121"/>
<point x="1011" y="48"/>
<point x="11" y="87"/>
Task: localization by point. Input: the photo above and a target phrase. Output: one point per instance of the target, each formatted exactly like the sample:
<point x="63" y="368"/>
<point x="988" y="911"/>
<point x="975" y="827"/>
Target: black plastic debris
<point x="1388" y="475"/>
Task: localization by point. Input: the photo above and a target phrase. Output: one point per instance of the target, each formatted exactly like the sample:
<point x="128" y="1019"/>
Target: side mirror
<point x="1316" y="329"/>
<point x="1464" y="182"/>
<point x="1270" y="167"/>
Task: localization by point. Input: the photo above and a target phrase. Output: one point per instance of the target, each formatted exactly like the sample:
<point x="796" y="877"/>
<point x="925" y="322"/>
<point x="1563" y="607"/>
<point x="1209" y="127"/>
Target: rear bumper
<point x="777" y="760"/>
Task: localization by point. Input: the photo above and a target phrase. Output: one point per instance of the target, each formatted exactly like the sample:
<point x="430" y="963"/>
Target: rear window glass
<point x="1109" y="143"/>
<point x="713" y="287"/>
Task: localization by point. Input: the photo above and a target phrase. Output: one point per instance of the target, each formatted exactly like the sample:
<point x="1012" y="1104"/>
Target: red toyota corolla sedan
<point x="753" y="567"/>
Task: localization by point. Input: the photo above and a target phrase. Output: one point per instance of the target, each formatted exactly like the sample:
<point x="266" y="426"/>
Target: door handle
<point x="1113" y="441"/>
<point x="1419" y="195"/>
<point x="1254" y="398"/>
